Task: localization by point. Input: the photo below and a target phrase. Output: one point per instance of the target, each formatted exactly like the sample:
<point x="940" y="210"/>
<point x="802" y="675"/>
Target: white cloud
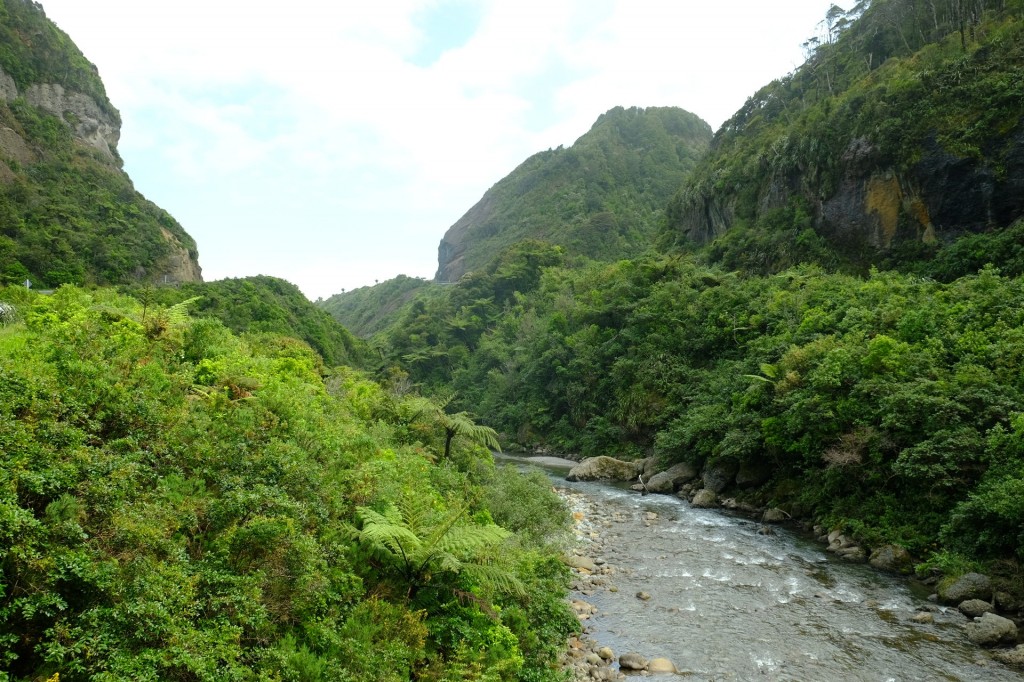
<point x="299" y="139"/>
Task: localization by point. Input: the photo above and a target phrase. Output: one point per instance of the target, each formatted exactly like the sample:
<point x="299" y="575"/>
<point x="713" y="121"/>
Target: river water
<point x="727" y="603"/>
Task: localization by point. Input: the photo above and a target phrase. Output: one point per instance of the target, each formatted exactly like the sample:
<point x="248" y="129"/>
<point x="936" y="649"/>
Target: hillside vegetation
<point x="259" y="305"/>
<point x="180" y="503"/>
<point x="367" y="311"/>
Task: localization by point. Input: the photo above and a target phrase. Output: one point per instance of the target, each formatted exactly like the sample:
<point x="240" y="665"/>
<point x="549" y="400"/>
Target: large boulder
<point x="704" y="499"/>
<point x="605" y="469"/>
<point x="967" y="586"/>
<point x="992" y="630"/>
<point x="672" y="479"/>
<point x="753" y="474"/>
<point x="892" y="558"/>
<point x="975" y="608"/>
<point x="632" y="661"/>
<point x="661" y="665"/>
<point x="721" y="473"/>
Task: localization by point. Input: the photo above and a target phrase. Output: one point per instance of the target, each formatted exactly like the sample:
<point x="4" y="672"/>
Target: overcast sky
<point x="332" y="142"/>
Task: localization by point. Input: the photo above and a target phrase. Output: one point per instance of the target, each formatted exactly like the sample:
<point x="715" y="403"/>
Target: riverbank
<point x="585" y="657"/>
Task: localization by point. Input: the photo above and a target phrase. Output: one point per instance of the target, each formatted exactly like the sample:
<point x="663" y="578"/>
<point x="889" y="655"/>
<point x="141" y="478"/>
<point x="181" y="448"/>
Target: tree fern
<point x="418" y="553"/>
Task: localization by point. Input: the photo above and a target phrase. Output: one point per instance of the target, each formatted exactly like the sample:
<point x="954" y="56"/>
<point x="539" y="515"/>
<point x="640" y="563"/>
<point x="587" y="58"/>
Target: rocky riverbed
<point x="664" y="589"/>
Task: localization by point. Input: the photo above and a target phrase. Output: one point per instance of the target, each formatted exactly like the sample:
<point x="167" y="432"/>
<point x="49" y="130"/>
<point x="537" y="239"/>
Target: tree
<point x="462" y="424"/>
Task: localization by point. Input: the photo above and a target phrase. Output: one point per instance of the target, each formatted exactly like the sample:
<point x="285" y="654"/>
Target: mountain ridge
<point x="599" y="198"/>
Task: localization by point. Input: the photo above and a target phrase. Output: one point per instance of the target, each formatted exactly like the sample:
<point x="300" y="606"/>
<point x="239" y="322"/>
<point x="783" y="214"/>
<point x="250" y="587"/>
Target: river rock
<point x="974" y="608"/>
<point x="1008" y="602"/>
<point x="604" y="469"/>
<point x="632" y="661"/>
<point x="661" y="665"/>
<point x="892" y="558"/>
<point x="649" y="467"/>
<point x="1014" y="657"/>
<point x="854" y="554"/>
<point x="606" y="653"/>
<point x="704" y="498"/>
<point x="991" y="630"/>
<point x="720" y="474"/>
<point x="580" y="562"/>
<point x="753" y="475"/>
<point x="593" y="659"/>
<point x="923" y="617"/>
<point x="774" y="515"/>
<point x="673" y="478"/>
<point x="967" y="586"/>
<point x="643" y="596"/>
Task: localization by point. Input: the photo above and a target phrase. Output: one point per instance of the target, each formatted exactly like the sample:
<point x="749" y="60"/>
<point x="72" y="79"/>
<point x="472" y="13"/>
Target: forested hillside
<point x="68" y="213"/>
<point x="177" y="502"/>
<point x="900" y="133"/>
<point x="602" y="198"/>
<point x="368" y="310"/>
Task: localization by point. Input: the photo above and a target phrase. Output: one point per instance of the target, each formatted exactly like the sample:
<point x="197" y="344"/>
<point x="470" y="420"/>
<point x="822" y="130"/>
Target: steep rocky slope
<point x="68" y="212"/>
<point x="601" y="198"/>
<point x="901" y="133"/>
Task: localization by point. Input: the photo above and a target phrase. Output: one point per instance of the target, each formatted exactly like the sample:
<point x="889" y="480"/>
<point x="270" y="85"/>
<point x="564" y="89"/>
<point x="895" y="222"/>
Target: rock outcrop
<point x="721" y="473"/>
<point x="892" y="558"/>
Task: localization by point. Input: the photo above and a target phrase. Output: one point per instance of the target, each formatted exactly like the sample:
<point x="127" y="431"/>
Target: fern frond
<point x="383" y="535"/>
<point x="439" y="532"/>
<point x="495" y="578"/>
<point x="469" y="540"/>
<point x="417" y="513"/>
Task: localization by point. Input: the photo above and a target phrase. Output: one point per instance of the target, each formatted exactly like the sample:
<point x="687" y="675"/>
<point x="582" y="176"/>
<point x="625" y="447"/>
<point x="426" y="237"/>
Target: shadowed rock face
<point x="90" y="123"/>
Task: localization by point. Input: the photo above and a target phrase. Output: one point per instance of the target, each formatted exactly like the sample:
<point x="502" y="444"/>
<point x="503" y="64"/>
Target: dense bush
<point x="177" y="502"/>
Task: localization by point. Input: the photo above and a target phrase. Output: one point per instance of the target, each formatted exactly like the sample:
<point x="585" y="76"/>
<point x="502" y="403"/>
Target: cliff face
<point x="600" y="198"/>
<point x="885" y="155"/>
<point x="68" y="213"/>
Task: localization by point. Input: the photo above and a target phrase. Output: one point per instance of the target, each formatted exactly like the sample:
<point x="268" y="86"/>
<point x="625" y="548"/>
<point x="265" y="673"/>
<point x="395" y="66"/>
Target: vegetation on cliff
<point x="34" y="51"/>
<point x="367" y="311"/>
<point x="900" y="133"/>
<point x="68" y="214"/>
<point x="177" y="502"/>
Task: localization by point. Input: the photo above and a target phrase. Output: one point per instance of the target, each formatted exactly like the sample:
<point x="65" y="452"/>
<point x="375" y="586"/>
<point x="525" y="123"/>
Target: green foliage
<point x="369" y="310"/>
<point x="177" y="502"/>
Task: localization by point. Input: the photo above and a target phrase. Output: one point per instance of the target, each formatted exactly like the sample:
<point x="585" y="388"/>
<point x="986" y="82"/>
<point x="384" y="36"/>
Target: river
<point x="727" y="603"/>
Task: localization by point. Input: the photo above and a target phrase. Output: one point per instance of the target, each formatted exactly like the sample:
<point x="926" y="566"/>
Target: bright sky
<point x="332" y="143"/>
